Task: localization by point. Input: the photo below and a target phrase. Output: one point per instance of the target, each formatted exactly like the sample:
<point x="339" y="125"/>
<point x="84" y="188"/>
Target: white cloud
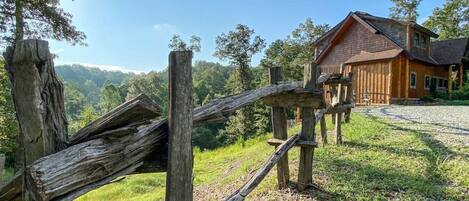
<point x="164" y="28"/>
<point x="104" y="67"/>
<point x="58" y="51"/>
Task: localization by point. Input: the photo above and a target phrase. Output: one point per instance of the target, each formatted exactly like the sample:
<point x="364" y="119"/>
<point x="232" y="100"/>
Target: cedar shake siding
<point x="357" y="39"/>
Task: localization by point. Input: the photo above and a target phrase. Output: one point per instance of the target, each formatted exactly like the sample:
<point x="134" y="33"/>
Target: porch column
<point x="407" y="79"/>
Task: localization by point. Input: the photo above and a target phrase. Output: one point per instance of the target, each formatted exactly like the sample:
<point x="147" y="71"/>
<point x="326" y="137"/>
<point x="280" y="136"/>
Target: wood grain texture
<point x="180" y="160"/>
<point x="85" y="166"/>
<point x="256" y="179"/>
<point x="279" y="127"/>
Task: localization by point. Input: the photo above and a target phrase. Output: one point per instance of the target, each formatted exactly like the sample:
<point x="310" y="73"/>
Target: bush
<point x="462" y="93"/>
<point x="427" y="99"/>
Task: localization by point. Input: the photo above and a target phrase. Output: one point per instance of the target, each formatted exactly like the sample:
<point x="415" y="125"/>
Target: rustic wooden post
<point x="349" y="98"/>
<point x="2" y="167"/>
<point x="279" y="125"/>
<point x="308" y="123"/>
<point x="323" y="125"/>
<point x="333" y="95"/>
<point x="180" y="162"/>
<point x="338" y="116"/>
<point x="39" y="102"/>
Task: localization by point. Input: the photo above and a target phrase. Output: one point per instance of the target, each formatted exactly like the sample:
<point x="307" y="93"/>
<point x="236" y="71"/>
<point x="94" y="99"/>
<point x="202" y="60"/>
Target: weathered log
<point x="81" y="167"/>
<point x="138" y="109"/>
<point x="308" y="123"/>
<point x="255" y="180"/>
<point x="277" y="142"/>
<point x="39" y="101"/>
<point x="180" y="160"/>
<point x="279" y="129"/>
<point x="12" y="189"/>
<point x="297" y="98"/>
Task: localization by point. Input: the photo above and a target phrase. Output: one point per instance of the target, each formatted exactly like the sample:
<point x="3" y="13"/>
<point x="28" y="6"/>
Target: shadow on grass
<point x="435" y="155"/>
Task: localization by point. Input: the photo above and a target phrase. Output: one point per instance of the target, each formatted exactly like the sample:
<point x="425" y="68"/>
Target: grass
<point x="378" y="161"/>
<point x="455" y="102"/>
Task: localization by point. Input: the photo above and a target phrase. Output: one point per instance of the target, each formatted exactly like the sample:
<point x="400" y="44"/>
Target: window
<point x="442" y="83"/>
<point x="427" y="82"/>
<point x="416" y="39"/>
<point x="423" y="42"/>
<point x="413" y="80"/>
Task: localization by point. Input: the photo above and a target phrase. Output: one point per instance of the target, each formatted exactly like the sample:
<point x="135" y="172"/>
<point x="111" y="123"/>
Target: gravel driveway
<point x="449" y="124"/>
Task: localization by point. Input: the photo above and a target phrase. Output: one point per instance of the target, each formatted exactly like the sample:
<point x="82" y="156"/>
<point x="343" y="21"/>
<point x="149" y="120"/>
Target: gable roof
<point x="451" y="51"/>
<point x="392" y="30"/>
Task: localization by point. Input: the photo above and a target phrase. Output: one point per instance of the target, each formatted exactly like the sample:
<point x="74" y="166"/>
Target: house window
<point x="413" y="80"/>
<point x="423" y="42"/>
<point x="416" y="39"/>
<point x="427" y="82"/>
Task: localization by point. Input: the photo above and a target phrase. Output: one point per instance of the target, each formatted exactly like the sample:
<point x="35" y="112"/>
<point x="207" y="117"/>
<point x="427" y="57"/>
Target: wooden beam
<point x="389" y="83"/>
<point x="297" y="98"/>
<point x="450" y="78"/>
<point x="255" y="180"/>
<point x="277" y="142"/>
<point x="180" y="161"/>
<point x="461" y="75"/>
<point x="338" y="116"/>
<point x="399" y="78"/>
<point x="407" y="79"/>
<point x="279" y="127"/>
<point x="307" y="131"/>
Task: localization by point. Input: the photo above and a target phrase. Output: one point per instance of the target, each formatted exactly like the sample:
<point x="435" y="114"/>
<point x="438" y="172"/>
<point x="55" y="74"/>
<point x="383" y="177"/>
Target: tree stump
<point x="39" y="101"/>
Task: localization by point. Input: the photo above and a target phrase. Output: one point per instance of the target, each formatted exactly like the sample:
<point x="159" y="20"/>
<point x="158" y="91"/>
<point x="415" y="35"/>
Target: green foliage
<point x="177" y="44"/>
<point x="111" y="97"/>
<point x="74" y="102"/>
<point x="451" y="20"/>
<point x="8" y="123"/>
<point x="154" y="85"/>
<point x="36" y="19"/>
<point x="294" y="51"/>
<point x="238" y="47"/>
<point x="89" y="80"/>
<point x="462" y="93"/>
<point x="88" y="115"/>
<point x="405" y="10"/>
<point x="209" y="80"/>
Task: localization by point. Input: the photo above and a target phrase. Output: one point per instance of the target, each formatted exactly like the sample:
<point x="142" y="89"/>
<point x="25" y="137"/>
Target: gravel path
<point x="449" y="124"/>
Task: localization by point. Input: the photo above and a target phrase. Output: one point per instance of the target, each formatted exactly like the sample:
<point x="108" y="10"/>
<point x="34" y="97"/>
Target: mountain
<point x="89" y="80"/>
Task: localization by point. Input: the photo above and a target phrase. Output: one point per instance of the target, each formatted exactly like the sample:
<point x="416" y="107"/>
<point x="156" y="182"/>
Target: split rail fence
<point x="134" y="138"/>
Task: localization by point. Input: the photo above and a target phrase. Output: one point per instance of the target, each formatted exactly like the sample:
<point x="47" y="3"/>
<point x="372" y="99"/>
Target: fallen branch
<point x="247" y="188"/>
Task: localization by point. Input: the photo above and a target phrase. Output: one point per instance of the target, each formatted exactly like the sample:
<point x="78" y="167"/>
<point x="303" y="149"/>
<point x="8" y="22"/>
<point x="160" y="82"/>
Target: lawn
<point x="378" y="161"/>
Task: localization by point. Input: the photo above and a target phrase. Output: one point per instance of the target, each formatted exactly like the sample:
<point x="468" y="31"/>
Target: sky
<point x="133" y="35"/>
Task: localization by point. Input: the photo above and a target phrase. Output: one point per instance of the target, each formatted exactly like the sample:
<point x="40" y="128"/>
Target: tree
<point x="88" y="115"/>
<point x="238" y="47"/>
<point x="294" y="51"/>
<point x="110" y="97"/>
<point x="74" y="102"/>
<point x="8" y="122"/>
<point x="451" y="20"/>
<point x="177" y="44"/>
<point x="154" y="85"/>
<point x="36" y="19"/>
<point x="405" y="10"/>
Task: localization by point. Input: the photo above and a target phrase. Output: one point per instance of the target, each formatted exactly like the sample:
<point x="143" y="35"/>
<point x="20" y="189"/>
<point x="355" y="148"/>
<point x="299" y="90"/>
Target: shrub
<point x="427" y="99"/>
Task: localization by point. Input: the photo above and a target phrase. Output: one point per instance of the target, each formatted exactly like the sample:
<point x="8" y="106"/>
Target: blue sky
<point x="134" y="35"/>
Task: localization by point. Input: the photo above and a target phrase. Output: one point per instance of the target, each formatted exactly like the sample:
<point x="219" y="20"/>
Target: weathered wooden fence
<point x="133" y="138"/>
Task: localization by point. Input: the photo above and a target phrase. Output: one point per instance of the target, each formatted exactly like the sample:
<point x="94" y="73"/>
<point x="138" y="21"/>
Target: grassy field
<point x="378" y="161"/>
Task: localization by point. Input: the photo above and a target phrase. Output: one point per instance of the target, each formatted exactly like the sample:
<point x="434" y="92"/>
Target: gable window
<point x="416" y="39"/>
<point x="427" y="82"/>
<point x="413" y="80"/>
<point x="423" y="42"/>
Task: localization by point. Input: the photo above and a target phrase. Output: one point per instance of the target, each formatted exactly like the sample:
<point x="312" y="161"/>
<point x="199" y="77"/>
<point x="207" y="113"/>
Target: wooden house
<point x="391" y="60"/>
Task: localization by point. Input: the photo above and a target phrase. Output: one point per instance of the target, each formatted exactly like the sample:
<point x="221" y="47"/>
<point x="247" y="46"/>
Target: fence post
<point x="180" y="158"/>
<point x="279" y="126"/>
<point x="2" y="167"/>
<point x="308" y="122"/>
<point x="338" y="116"/>
<point x="349" y="98"/>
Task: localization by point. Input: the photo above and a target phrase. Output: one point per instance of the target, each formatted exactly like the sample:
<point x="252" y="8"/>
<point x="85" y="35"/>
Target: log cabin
<point x="391" y="61"/>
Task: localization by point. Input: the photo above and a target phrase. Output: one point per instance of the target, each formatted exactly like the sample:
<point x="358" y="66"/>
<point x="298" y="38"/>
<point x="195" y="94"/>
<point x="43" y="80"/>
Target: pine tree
<point x="451" y="20"/>
<point x="405" y="10"/>
<point x="238" y="47"/>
